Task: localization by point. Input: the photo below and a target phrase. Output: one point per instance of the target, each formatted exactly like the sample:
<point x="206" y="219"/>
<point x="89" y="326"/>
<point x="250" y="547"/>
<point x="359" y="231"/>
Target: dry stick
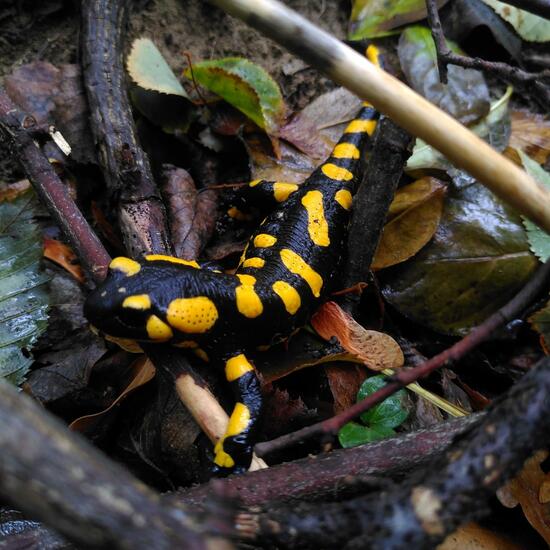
<point x="423" y="510"/>
<point x="16" y="129"/>
<point x="333" y="475"/>
<point x="532" y="82"/>
<point x="128" y="176"/>
<point x="398" y="101"/>
<point x="478" y="335"/>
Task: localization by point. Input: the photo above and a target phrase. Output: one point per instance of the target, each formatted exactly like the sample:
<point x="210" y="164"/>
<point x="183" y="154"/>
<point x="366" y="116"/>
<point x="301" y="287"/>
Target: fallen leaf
<point x="531" y="134"/>
<point x="246" y="86"/>
<point x="465" y="96"/>
<point x="344" y="382"/>
<point x="10" y="191"/>
<point x="526" y="489"/>
<point x="284" y="413"/>
<point x="474" y="537"/>
<point x="414" y="216"/>
<point x="529" y="26"/>
<point x="63" y="255"/>
<point x="142" y="371"/>
<point x="375" y="18"/>
<point x="477" y="260"/>
<point x="377" y="350"/>
<point x="540" y="321"/>
<point x="192" y="212"/>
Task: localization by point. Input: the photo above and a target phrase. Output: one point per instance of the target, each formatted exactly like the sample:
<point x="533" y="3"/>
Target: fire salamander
<point x="286" y="270"/>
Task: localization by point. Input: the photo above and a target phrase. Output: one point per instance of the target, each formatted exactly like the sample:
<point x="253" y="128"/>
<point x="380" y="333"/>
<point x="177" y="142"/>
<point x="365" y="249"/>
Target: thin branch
<point x="16" y="129"/>
<point x="531" y="82"/>
<point x="393" y="98"/>
<point x="478" y="335"/>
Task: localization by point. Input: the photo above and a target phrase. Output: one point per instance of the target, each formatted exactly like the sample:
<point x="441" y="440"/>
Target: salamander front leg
<point x="233" y="452"/>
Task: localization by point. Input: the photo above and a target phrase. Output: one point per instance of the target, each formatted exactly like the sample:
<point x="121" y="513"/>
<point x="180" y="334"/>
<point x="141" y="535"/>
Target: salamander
<point x="288" y="267"/>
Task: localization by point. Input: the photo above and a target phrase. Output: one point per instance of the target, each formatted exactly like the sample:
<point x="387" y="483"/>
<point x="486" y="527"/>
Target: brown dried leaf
<point x="192" y="213"/>
<point x="377" y="350"/>
<point x="10" y="191"/>
<point x="474" y="537"/>
<point x="142" y="371"/>
<point x="63" y="255"/>
<point x="415" y="214"/>
<point x="531" y="134"/>
<point x="344" y="382"/>
<point x="530" y="489"/>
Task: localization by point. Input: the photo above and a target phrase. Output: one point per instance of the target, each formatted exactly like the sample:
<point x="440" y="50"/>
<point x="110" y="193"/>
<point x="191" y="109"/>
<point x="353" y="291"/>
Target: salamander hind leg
<point x="233" y="452"/>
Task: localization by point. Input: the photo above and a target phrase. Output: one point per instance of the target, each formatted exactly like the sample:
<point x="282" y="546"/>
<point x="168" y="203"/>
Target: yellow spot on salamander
<point x="138" y="301"/>
<point x="359" y="126"/>
<point x="236" y="367"/>
<point x="289" y="295"/>
<point x="263" y="240"/>
<point x="237" y="214"/>
<point x="295" y="264"/>
<point x="336" y="172"/>
<point x="125" y="265"/>
<point x="346" y="151"/>
<point x="281" y="190"/>
<point x="171" y="259"/>
<point x="343" y="198"/>
<point x="373" y="54"/>
<point x="192" y="315"/>
<point x="317" y="225"/>
<point x="248" y="301"/>
<point x="158" y="330"/>
<point x="253" y="183"/>
<point x="253" y="262"/>
<point x="240" y="418"/>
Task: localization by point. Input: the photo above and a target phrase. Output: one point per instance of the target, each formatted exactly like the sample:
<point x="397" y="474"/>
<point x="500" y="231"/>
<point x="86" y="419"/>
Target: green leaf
<point x="158" y="94"/>
<point x="374" y="18"/>
<point x="246" y="86"/>
<point x="389" y="413"/>
<point x="538" y="238"/>
<point x="477" y="260"/>
<point x="540" y="321"/>
<point x="465" y="96"/>
<point x="23" y="293"/>
<point x="529" y="26"/>
<point x="494" y="128"/>
<point x="353" y="434"/>
<point x="149" y="70"/>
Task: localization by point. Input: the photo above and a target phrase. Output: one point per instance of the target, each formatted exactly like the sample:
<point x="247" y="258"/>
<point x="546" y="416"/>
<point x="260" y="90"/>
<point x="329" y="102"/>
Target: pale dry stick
<point x="396" y="100"/>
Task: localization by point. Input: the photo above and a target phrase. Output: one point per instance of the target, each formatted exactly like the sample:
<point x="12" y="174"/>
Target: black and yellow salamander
<point x="286" y="270"/>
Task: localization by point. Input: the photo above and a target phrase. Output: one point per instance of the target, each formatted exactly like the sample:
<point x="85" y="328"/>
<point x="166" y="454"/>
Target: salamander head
<point x="150" y="301"/>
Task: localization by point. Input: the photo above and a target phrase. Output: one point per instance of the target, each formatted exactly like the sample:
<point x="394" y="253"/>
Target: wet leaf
<point x="377" y="350"/>
<point x="540" y="321"/>
<point x="389" y="413"/>
<point x="477" y="260"/>
<point x="374" y="18"/>
<point x="414" y="216"/>
<point x="529" y="26"/>
<point x="493" y="128"/>
<point x="246" y="86"/>
<point x="527" y="488"/>
<point x="378" y="421"/>
<point x="538" y="238"/>
<point x="465" y="96"/>
<point x="23" y="292"/>
<point x="142" y="371"/>
<point x="192" y="213"/>
<point x="159" y="96"/>
<point x="344" y="382"/>
<point x="63" y="255"/>
<point x="531" y="134"/>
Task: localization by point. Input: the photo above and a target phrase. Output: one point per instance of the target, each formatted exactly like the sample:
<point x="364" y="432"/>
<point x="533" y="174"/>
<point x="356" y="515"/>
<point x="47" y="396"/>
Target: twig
<point x="16" y="130"/>
<point x="421" y="512"/>
<point x="396" y="100"/>
<point x="371" y="202"/>
<point x="531" y="82"/>
<point x="56" y="476"/>
<point x="479" y="334"/>
<point x="328" y="476"/>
